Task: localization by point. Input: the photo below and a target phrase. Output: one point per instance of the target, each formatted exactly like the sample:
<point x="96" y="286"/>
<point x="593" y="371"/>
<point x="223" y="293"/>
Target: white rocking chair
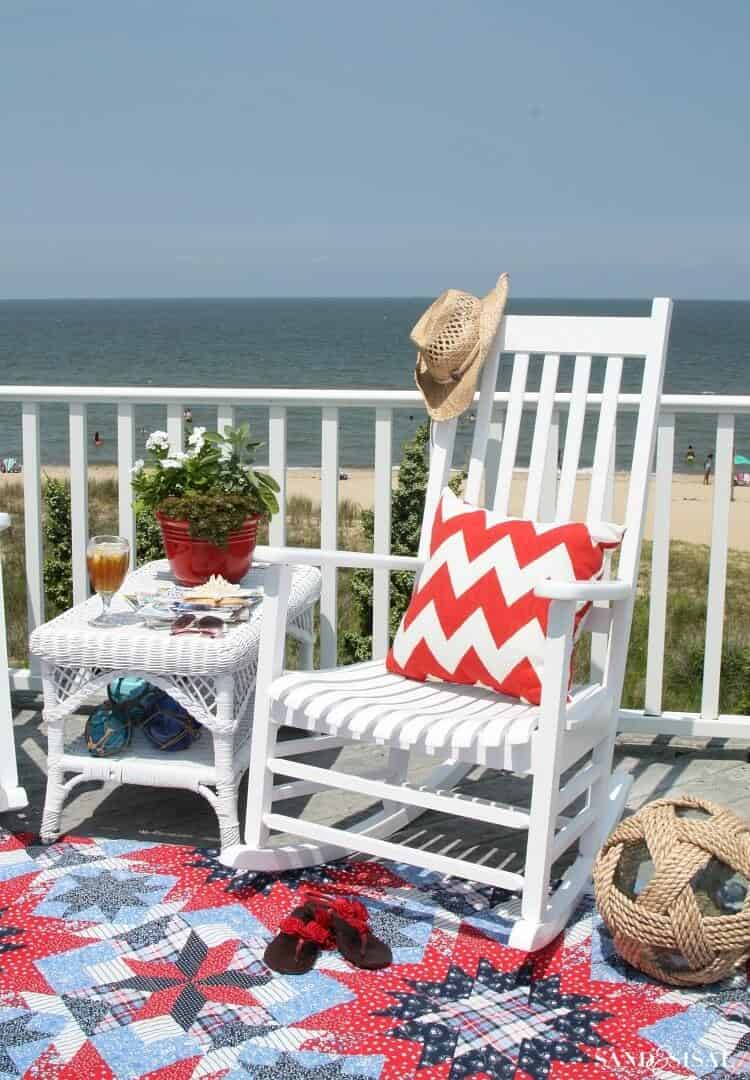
<point x="566" y="744"/>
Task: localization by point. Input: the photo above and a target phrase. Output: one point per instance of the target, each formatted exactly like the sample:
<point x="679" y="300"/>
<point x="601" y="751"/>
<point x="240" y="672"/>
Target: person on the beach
<point x="708" y="468"/>
<point x="97" y="439"/>
<point x="690" y="455"/>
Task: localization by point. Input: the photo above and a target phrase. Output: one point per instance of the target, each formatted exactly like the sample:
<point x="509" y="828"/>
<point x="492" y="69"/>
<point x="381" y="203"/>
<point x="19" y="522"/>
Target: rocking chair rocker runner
<point x="565" y="744"/>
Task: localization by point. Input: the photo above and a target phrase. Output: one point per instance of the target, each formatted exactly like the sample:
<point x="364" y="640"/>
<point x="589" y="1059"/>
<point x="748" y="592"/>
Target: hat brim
<point x="445" y="401"/>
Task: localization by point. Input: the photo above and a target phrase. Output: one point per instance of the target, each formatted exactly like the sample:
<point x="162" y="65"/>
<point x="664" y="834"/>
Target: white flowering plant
<point x="212" y="484"/>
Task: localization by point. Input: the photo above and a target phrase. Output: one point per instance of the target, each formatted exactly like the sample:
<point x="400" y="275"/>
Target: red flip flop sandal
<point x="350" y="925"/>
<point x="301" y="936"/>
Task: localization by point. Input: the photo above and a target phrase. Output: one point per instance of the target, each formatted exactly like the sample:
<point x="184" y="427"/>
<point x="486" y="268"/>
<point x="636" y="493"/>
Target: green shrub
<point x="148" y="539"/>
<point x="407" y="510"/>
<point x="58" y="574"/>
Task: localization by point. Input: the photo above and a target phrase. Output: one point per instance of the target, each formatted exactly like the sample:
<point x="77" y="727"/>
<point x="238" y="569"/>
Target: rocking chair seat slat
<point x="368" y="703"/>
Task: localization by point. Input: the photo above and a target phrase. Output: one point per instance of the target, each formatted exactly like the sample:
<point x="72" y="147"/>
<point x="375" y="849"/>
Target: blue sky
<point x="347" y="148"/>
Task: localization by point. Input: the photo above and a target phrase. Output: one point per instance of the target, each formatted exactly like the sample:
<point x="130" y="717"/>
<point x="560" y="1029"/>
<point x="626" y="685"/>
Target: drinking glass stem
<point x="106" y="601"/>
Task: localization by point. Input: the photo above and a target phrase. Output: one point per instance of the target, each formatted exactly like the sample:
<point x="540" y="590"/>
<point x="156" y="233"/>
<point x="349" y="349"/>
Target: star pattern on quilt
<point x="497" y="1022"/>
<point x="64" y="855"/>
<point x="391" y="927"/>
<point x="174" y="975"/>
<point x="181" y="988"/>
<point x="15" y="1032"/>
<point x="462" y="899"/>
<point x="291" y="1068"/>
<point x="107" y="892"/>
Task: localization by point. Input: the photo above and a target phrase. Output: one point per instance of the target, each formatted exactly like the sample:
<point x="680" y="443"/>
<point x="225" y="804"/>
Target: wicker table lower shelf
<point x="142" y="763"/>
<point x="213" y="678"/>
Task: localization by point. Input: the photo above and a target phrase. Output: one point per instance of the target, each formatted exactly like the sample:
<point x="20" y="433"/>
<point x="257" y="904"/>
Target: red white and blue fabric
<point x="473" y="617"/>
<point x="130" y="960"/>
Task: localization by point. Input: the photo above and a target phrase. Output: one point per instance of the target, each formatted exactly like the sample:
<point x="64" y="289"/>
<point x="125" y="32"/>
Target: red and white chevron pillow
<point x="473" y="617"/>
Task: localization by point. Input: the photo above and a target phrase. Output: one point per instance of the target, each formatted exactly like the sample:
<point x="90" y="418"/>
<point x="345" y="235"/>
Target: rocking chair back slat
<point x="442" y="439"/>
<point x="512" y="427"/>
<point x="539" y="461"/>
<point x="573" y="438"/>
<point x="548" y="500"/>
<point x="645" y="438"/>
<point x="605" y="440"/>
<point x="382" y="528"/>
<point x="570" y="335"/>
<point x="478" y="455"/>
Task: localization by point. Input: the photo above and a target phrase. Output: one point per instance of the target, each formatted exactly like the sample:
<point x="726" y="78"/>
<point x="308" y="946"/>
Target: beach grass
<point x="686" y="602"/>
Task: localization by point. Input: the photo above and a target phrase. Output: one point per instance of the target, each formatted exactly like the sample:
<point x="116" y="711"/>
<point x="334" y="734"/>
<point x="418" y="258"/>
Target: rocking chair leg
<point x="260" y="792"/>
<point x="397" y="768"/>
<point x="539" y="848"/>
<point x="608" y="794"/>
<point x="265" y="733"/>
<point x="535" y="899"/>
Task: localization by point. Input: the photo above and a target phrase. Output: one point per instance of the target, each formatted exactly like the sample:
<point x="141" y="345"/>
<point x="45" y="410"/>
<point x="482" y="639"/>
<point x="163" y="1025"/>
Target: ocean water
<point x="308" y="343"/>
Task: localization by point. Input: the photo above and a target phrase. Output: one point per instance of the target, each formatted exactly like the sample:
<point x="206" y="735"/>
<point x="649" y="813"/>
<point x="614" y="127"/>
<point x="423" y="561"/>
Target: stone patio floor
<point x="713" y="769"/>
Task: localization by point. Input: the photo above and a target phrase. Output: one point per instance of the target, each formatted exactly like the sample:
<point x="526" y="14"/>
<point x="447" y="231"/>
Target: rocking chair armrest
<point x="584" y="590"/>
<point x="315" y="557"/>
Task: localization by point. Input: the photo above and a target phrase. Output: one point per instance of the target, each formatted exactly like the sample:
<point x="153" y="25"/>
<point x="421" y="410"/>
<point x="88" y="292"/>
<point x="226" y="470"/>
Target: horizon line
<point x="645" y="298"/>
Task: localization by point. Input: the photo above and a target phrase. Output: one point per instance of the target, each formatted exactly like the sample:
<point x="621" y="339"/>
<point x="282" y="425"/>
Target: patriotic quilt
<point x="123" y="959"/>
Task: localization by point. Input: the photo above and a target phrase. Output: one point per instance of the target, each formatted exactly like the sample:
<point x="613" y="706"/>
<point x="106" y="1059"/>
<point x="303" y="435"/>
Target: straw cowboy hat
<point x="453" y="339"/>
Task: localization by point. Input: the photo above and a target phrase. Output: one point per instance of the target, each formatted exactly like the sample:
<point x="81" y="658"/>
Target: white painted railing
<point x="382" y="405"/>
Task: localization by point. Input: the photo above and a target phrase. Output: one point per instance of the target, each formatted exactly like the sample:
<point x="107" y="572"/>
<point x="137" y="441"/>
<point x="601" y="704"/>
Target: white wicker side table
<point x="213" y="678"/>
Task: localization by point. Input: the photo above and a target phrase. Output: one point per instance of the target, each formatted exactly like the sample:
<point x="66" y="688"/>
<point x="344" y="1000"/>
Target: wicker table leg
<point x="227" y="780"/>
<point x="56" y="789"/>
<point x="227" y="784"/>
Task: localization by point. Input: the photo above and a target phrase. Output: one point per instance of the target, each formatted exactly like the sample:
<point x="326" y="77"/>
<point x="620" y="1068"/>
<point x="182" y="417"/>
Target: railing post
<point x="12" y="797"/>
<point x="175" y="427"/>
<point x="125" y="461"/>
<point x="32" y="516"/>
<point x="657" y="611"/>
<point x="224" y="418"/>
<point x="277" y="436"/>
<point x="79" y="499"/>
<point x="329" y="505"/>
<point x="717" y="573"/>
<point x="381" y="579"/>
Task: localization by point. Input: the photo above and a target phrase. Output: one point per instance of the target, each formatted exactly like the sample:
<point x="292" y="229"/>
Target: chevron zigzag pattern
<point x="474" y="618"/>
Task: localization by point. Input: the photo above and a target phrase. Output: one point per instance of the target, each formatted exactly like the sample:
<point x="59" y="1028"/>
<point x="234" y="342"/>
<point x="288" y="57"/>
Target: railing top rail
<point x="738" y="404"/>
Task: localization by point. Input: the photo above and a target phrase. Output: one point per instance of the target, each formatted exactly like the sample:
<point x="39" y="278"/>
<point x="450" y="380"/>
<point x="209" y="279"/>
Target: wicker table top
<point x="69" y="640"/>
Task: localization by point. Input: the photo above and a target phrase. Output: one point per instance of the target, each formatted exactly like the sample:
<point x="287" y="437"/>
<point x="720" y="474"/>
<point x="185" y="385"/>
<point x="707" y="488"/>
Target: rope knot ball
<point x="672" y="884"/>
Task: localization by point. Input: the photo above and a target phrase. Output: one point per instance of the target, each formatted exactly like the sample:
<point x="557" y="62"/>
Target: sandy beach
<point x="690" y="513"/>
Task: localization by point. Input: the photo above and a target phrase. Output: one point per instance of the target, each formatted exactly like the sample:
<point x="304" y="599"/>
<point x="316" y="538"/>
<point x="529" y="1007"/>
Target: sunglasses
<point x="209" y="625"/>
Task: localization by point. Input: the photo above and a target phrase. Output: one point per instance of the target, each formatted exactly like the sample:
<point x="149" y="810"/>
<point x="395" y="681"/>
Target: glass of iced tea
<point x="107" y="560"/>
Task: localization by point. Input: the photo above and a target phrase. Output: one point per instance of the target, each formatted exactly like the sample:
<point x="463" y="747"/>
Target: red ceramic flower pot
<point x="193" y="561"/>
